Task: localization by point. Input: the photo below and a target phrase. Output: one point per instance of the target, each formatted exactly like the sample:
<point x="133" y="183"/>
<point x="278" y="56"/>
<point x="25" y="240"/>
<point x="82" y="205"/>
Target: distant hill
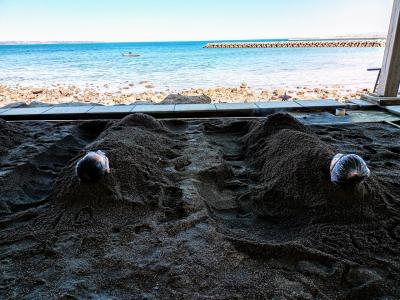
<point x="44" y="42"/>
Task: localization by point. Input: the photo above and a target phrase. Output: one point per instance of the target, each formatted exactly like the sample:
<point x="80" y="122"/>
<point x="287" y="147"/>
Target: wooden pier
<point x="301" y="44"/>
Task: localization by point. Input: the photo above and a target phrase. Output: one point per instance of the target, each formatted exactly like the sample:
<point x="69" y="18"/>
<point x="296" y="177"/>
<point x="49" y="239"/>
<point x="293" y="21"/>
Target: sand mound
<point x="292" y="167"/>
<point x="259" y="131"/>
<point x="140" y="121"/>
<point x="11" y="135"/>
<point x="138" y="147"/>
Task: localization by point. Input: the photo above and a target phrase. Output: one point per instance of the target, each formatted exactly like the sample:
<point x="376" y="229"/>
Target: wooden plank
<point x="277" y="105"/>
<point x="111" y="109"/>
<point x="27" y="111"/>
<point x="154" y="108"/>
<point x="235" y="106"/>
<point x="3" y="110"/>
<point x="195" y="107"/>
<point x="394" y="109"/>
<point x="323" y="103"/>
<point x="392" y="124"/>
<point x="68" y="110"/>
<point x="388" y="85"/>
<point x="382" y="101"/>
<point x="363" y="103"/>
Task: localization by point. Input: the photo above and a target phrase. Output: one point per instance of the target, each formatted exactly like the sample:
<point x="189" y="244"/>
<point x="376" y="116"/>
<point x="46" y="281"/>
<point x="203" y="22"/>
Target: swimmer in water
<point x="348" y="169"/>
<point x="92" y="167"/>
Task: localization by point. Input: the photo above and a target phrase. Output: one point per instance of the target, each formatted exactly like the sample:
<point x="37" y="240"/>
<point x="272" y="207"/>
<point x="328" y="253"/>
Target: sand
<point x="204" y="209"/>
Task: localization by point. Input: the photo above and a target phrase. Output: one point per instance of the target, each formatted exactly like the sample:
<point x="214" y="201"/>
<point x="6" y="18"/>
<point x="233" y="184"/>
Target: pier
<point x="301" y="44"/>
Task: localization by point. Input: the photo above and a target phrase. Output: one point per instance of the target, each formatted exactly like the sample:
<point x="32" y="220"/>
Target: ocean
<point x="175" y="66"/>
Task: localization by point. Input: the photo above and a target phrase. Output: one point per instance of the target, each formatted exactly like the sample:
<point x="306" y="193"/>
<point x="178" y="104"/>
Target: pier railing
<point x="301" y="44"/>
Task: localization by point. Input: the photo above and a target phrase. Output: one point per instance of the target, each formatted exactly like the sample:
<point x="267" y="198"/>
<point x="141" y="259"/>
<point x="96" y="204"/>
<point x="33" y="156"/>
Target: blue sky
<point x="172" y="20"/>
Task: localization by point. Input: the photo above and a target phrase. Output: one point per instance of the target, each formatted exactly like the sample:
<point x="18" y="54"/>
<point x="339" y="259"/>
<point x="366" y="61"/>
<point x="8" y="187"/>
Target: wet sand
<point x="146" y="92"/>
<point x="216" y="209"/>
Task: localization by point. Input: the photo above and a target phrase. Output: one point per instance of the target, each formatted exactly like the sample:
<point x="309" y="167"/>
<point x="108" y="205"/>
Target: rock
<point x="180" y="99"/>
<point x="65" y="92"/>
<point x="278" y="92"/>
<point x="37" y="91"/>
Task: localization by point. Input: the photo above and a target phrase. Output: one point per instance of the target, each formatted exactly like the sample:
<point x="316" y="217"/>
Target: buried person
<point x="140" y="148"/>
<point x="295" y="174"/>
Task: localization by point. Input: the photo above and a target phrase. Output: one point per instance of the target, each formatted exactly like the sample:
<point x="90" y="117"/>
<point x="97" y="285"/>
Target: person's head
<point x="348" y="169"/>
<point x="92" y="167"/>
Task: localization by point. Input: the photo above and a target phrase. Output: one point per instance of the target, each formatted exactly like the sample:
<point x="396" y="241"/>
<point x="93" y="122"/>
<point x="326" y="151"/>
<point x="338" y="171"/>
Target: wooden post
<point x="390" y="76"/>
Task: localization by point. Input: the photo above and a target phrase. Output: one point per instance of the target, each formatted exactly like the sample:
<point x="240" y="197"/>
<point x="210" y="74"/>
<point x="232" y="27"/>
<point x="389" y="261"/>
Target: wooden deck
<point x="253" y="109"/>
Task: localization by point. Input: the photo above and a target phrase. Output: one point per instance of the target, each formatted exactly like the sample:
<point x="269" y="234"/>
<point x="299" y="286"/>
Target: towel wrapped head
<point x="93" y="167"/>
<point x="349" y="169"/>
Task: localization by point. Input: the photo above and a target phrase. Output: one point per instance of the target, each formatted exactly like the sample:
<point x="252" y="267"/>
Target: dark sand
<point x="215" y="209"/>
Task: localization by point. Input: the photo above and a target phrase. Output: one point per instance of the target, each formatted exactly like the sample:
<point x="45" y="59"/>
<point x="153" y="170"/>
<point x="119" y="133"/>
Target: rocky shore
<point x="66" y="94"/>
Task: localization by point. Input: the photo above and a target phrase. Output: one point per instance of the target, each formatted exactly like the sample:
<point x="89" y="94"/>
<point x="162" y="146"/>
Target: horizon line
<point x="39" y="42"/>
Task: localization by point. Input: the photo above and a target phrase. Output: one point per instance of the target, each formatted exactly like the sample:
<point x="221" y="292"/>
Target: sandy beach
<point x="10" y="95"/>
<point x="190" y="211"/>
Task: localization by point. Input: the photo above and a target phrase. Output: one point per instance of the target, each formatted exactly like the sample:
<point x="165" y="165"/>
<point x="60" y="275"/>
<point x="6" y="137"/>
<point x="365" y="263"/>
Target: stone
<point x="180" y="99"/>
<point x="37" y="91"/>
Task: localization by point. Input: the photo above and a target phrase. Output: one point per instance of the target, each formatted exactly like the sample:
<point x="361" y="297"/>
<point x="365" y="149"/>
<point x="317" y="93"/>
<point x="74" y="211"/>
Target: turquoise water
<point x="180" y="65"/>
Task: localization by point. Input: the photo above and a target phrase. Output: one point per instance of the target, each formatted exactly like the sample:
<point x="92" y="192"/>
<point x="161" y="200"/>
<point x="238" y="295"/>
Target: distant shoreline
<point x="12" y="43"/>
<point x="336" y="38"/>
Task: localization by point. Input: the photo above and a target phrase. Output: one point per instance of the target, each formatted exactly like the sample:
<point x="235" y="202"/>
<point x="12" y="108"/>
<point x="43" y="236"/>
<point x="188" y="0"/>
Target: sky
<point x="188" y="20"/>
